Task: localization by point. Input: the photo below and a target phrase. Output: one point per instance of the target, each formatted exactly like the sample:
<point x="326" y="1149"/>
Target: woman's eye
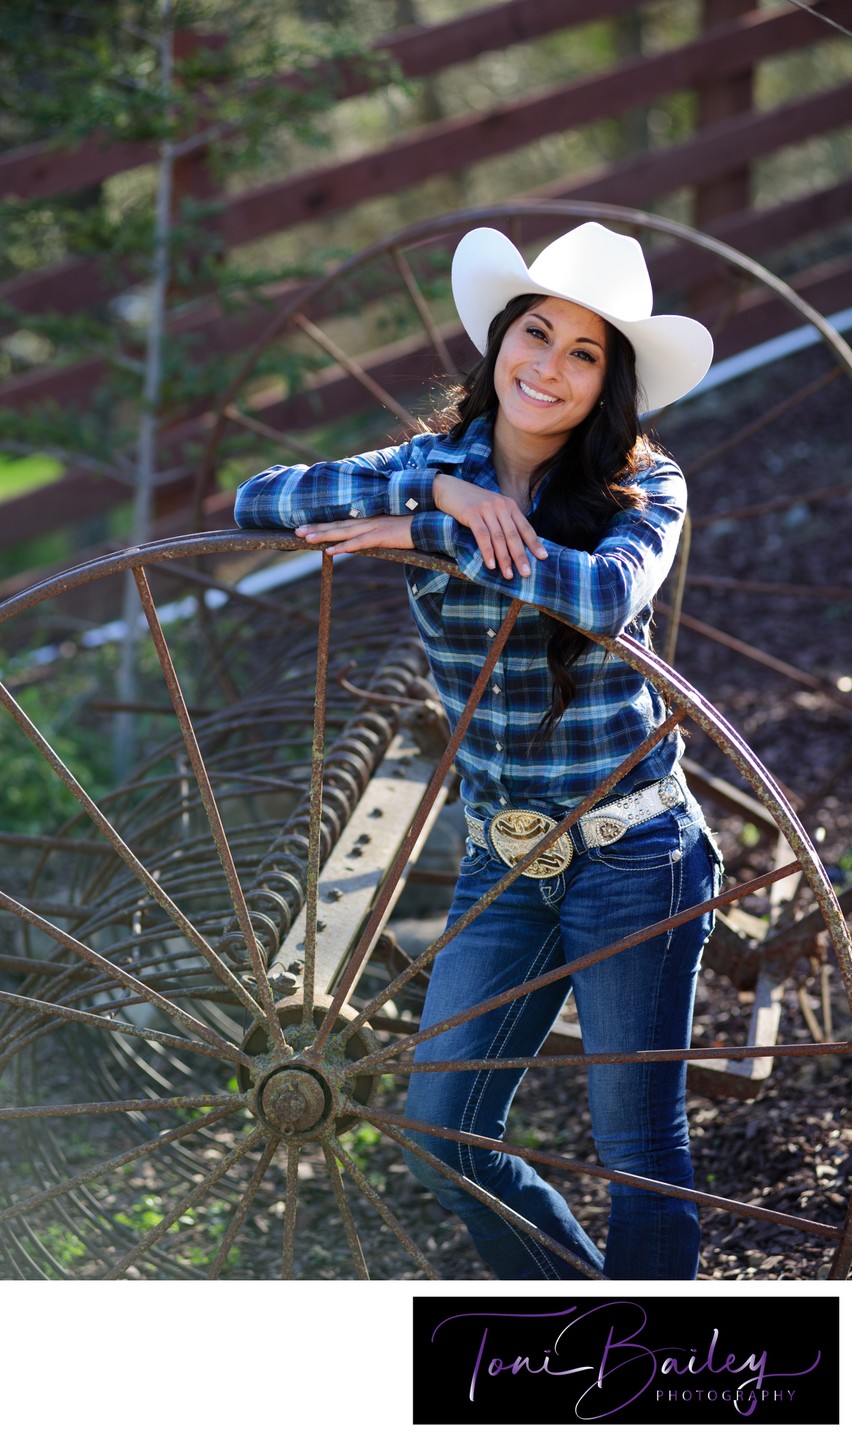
<point x="537" y="333"/>
<point x="585" y="356"/>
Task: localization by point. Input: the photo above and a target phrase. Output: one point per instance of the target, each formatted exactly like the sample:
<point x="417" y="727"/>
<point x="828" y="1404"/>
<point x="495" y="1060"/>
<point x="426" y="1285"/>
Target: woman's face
<point x="550" y="371"/>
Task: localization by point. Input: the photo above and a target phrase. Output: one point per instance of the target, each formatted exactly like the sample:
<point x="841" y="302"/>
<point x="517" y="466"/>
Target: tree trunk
<point x="124" y="732"/>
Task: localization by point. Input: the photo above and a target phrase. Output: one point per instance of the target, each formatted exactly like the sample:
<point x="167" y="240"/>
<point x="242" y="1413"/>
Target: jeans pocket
<point x="714" y="854"/>
<point x="717" y="869"/>
<point x="474" y="859"/>
<point x="653" y="844"/>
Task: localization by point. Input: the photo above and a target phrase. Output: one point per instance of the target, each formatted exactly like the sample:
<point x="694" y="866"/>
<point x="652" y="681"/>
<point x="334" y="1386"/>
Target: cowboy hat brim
<point x="673" y="353"/>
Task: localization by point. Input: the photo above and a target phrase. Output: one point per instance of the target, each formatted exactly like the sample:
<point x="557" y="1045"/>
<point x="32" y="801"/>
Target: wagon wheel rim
<point x="304" y="1083"/>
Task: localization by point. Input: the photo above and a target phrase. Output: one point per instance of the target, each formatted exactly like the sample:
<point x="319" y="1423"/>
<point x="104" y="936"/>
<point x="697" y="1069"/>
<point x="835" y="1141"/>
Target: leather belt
<point x="514" y="831"/>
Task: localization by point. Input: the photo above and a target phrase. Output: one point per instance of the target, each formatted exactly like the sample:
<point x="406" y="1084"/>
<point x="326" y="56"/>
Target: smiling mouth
<point x="531" y="393"/>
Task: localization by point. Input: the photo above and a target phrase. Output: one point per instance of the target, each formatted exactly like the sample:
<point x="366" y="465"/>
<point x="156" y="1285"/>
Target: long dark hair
<point x="582" y="486"/>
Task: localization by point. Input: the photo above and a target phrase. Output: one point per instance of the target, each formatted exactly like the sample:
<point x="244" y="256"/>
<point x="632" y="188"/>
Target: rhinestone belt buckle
<point x="513" y="833"/>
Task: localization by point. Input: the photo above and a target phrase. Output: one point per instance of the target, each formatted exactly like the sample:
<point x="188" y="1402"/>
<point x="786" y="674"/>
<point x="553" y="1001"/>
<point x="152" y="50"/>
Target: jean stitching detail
<point x="511" y="1018"/>
<point x="676" y="894"/>
<point x="478" y="1091"/>
<point x="674" y="905"/>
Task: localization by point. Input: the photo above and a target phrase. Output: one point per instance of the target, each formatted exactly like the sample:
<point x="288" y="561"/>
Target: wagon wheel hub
<point x="294" y="1100"/>
<point x="306" y="1096"/>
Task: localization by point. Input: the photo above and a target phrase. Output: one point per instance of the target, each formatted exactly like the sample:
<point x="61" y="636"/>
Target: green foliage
<point x="98" y="49"/>
<point x="59" y="701"/>
<point x="208" y="1225"/>
<point x="362" y="1144"/>
<point x="96" y="70"/>
<point x="144" y="1214"/>
<point x="34" y="798"/>
<point x="18" y="476"/>
<point x="63" y="1244"/>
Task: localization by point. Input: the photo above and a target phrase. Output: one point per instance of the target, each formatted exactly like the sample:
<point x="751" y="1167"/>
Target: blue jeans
<point x="633" y="1001"/>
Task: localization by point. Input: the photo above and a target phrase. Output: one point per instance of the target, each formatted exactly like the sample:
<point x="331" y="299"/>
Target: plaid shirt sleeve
<point x="385" y="481"/>
<point x="600" y="592"/>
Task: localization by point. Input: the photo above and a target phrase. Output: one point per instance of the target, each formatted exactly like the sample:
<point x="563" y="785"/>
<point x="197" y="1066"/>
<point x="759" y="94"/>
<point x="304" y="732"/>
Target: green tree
<point x="195" y="83"/>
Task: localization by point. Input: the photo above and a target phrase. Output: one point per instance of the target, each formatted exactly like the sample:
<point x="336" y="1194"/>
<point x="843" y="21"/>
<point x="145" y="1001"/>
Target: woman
<point x="540" y="487"/>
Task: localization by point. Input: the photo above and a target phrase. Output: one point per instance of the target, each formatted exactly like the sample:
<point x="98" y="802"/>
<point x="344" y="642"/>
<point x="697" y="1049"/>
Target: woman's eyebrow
<point x="581" y="339"/>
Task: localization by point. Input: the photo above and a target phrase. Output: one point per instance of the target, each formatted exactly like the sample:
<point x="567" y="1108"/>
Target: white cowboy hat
<point x="600" y="270"/>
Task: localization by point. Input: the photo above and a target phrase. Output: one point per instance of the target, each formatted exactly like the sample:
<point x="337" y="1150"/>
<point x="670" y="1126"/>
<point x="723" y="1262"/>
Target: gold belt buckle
<point x="513" y="833"/>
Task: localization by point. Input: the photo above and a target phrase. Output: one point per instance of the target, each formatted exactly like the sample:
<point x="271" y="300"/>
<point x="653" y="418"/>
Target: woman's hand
<point x="385" y="531"/>
<point x="498" y="525"/>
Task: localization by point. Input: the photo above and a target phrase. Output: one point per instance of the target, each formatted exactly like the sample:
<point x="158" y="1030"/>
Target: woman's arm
<point x="385" y="481"/>
<point x="495" y="522"/>
<point x="602" y="591"/>
<point x="499" y="526"/>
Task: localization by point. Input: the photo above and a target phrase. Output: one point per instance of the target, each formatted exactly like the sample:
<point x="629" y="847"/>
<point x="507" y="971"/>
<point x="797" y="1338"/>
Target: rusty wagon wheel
<point x="214" y="956"/>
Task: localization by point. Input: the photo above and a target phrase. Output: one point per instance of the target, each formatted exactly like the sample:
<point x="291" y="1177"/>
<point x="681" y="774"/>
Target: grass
<point x="22" y="475"/>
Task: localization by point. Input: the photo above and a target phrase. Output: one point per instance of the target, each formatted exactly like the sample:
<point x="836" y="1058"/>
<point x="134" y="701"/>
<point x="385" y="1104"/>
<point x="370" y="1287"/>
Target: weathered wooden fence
<point x="712" y="166"/>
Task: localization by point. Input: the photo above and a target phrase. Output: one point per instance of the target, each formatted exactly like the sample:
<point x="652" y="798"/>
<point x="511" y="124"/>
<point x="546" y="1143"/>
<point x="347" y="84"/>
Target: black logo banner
<point x="660" y="1360"/>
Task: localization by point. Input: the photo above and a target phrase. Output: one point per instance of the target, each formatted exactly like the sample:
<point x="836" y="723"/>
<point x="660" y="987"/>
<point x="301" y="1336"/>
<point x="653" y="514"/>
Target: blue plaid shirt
<point x="606" y="592"/>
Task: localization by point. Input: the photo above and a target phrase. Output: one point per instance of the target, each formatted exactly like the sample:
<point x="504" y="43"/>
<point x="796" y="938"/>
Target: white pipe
<point x="769" y="352"/>
<point x="280" y="575"/>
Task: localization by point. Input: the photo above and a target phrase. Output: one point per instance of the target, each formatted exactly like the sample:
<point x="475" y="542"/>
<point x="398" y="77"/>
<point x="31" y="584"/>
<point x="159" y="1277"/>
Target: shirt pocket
<point x="426" y="589"/>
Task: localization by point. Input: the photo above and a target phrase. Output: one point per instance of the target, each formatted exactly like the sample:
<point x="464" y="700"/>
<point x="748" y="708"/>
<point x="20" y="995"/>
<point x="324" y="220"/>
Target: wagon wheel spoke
<point x="242" y="1210"/>
<point x="350" y="976"/>
<point x="388" y="1126"/>
<point x="120" y="975"/>
<point x="266" y="431"/>
<point x="330" y="1154"/>
<point x="584" y="1060"/>
<point x="533" y="985"/>
<point x="62" y="1013"/>
<point x="211" y="810"/>
<point x="221" y="1101"/>
<point x="434" y="335"/>
<point x="124" y="1159"/>
<point x="317" y="763"/>
<point x="124" y="852"/>
<point x="336" y="1150"/>
<point x="534" y="1155"/>
<point x="291" y="1208"/>
<point x="329" y="347"/>
<point x="178" y="1209"/>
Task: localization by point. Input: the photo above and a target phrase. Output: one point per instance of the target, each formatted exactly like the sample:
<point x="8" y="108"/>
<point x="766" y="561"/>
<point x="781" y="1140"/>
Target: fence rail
<point x="708" y="165"/>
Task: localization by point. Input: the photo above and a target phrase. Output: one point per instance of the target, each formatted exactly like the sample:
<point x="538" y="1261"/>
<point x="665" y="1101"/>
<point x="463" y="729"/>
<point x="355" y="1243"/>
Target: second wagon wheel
<point x="239" y="1057"/>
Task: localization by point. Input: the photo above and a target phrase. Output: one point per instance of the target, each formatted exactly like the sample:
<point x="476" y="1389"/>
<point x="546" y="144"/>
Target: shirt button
<point x="353" y="512"/>
<point x="499" y="747"/>
<point x="496" y="688"/>
<point x="491" y="633"/>
<point x="411" y="504"/>
<point x="414" y="588"/>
